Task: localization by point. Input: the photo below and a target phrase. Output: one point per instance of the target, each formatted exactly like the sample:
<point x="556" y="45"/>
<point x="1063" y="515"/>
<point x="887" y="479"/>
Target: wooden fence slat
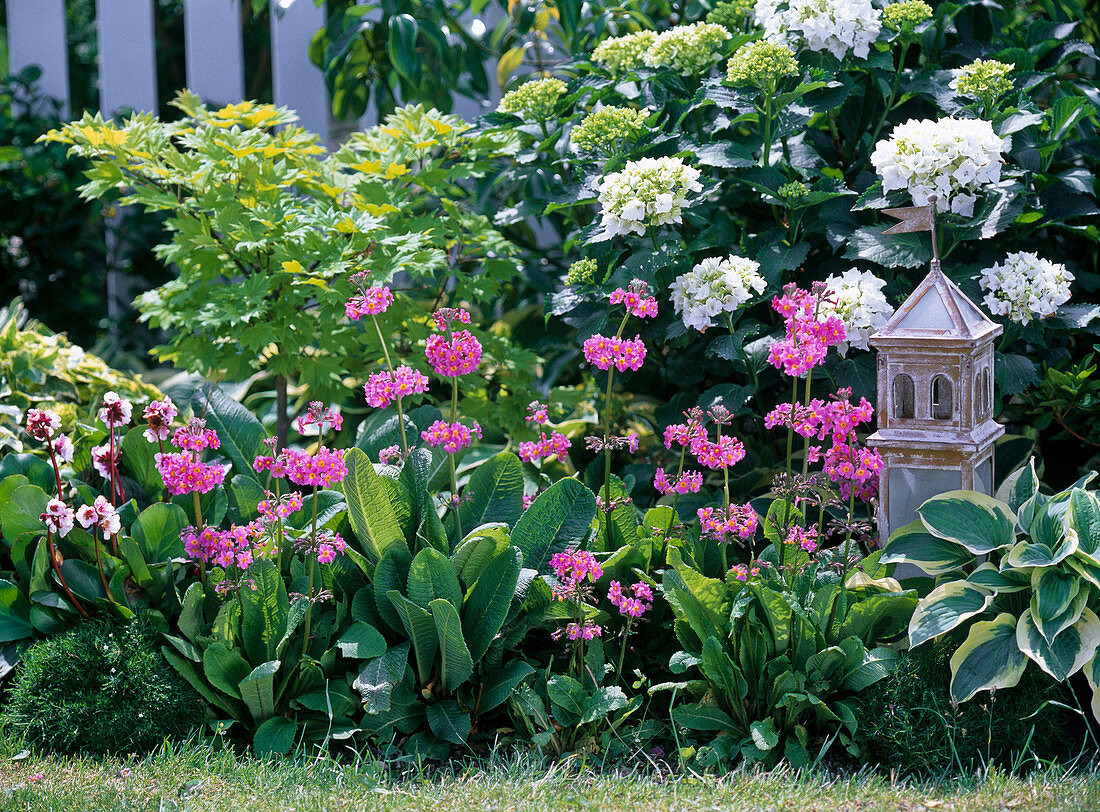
<point x="214" y="50"/>
<point x="127" y="60"/>
<point x="296" y="82"/>
<point x="36" y="36"/>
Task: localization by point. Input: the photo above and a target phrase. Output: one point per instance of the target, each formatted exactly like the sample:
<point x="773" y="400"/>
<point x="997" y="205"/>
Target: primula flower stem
<point x="56" y="470"/>
<point x="675" y="494"/>
<point x="607" y="448"/>
<point x="389" y="367"/>
<point x="622" y="650"/>
<point x="790" y="453"/>
<point x="312" y="568"/>
<point x="454" y="470"/>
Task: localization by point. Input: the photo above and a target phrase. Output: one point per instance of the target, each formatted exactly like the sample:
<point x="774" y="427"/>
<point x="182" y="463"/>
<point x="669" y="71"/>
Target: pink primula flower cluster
<point x="455" y="354"/>
<point x="317" y="418"/>
<point x="452" y="437"/>
<point x="637" y="300"/>
<point x="383" y="388"/>
<point x="373" y="301"/>
<point x="804" y="538"/>
<point x="116" y="411"/>
<point x="687" y="482"/>
<point x="556" y="445"/>
<point x="42" y="424"/>
<point x="184" y="472"/>
<point x="195" y="436"/>
<point x="724" y="526"/>
<point x="323" y="469"/>
<point x="808" y="336"/>
<point x="58" y="517"/>
<point x="621" y="353"/>
<point x="633" y="602"/>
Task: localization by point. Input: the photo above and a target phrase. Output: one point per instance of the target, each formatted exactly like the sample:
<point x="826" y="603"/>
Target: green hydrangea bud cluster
<point x="605" y="129"/>
<point x="985" y="79"/>
<point x="533" y="101"/>
<point x="582" y="272"/>
<point x="760" y="63"/>
<point x="731" y="14"/>
<point x="689" y="49"/>
<point x="794" y="190"/>
<point x="620" y="54"/>
<point x="906" y="14"/>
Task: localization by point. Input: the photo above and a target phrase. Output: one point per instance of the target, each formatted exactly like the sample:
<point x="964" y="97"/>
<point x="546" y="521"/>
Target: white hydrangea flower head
<point x="951" y="158"/>
<point x="837" y="26"/>
<point x="1025" y="286"/>
<point x="716" y="285"/>
<point x="647" y="192"/>
<point x="689" y="49"/>
<point x="858" y="301"/>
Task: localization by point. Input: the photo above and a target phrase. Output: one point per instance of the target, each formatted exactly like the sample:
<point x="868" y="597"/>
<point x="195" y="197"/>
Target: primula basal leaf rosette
<point x="951" y="158"/>
<point x="647" y="192"/>
<point x="621" y="54"/>
<point x="688" y="49"/>
<point x="1025" y="286"/>
<point x="715" y="288"/>
<point x="856" y="298"/>
<point x="840" y="27"/>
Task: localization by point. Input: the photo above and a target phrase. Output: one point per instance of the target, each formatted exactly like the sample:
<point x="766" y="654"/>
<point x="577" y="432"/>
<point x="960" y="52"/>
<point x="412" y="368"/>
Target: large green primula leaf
<point x="1067" y="653"/>
<point x="913" y="544"/>
<point x="431" y="576"/>
<point x="15" y="613"/>
<point x="989" y="658"/>
<point x="392" y="573"/>
<point x="265" y="610"/>
<point x="242" y="435"/>
<point x="258" y="690"/>
<point x="274" y="737"/>
<point x="978" y="522"/>
<point x="369" y="510"/>
<point x="456" y="663"/>
<point x="378" y="677"/>
<point x="448" y="721"/>
<point x="495" y="493"/>
<point x="20" y="517"/>
<point x="487" y="607"/>
<point x="421" y="629"/>
<point x="501" y="682"/>
<point x="556" y="521"/>
<point x="944" y="608"/>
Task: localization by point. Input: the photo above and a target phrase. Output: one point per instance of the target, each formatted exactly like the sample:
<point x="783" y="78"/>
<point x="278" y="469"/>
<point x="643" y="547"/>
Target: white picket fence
<point x="213" y="50"/>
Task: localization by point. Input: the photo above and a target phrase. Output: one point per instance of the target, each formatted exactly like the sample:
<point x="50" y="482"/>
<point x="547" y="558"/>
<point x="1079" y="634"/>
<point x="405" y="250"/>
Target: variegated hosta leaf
<point x="913" y="544"/>
<point x="988" y="658"/>
<point x="1085" y="567"/>
<point x="861" y="579"/>
<point x="944" y="608"/>
<point x="1050" y="522"/>
<point x="1092" y="674"/>
<point x="978" y="522"/>
<point x="1037" y="554"/>
<point x="1052" y="627"/>
<point x="1019" y="486"/>
<point x="1000" y="581"/>
<point x="1084" y="517"/>
<point x="1054" y="590"/>
<point x="1068" y="652"/>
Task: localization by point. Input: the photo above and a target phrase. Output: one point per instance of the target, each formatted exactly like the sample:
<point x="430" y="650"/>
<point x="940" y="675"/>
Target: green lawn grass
<point x="196" y="777"/>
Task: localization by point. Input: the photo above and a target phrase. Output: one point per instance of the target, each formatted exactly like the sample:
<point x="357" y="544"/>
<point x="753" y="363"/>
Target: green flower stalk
<point x="763" y="65"/>
<point x="609" y="129"/>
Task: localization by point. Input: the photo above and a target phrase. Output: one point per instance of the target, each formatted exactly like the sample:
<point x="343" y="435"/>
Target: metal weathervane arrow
<point x="914" y="219"/>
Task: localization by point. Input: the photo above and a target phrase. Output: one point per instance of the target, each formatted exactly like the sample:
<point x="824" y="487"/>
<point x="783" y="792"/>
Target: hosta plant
<point x="1019" y="574"/>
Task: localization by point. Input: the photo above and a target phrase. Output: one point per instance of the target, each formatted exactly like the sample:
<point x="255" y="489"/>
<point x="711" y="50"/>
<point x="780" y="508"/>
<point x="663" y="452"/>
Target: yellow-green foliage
<point x="42" y="369"/>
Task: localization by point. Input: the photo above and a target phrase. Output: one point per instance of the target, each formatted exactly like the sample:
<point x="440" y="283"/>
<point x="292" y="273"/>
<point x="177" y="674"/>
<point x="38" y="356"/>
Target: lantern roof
<point x="939" y="309"/>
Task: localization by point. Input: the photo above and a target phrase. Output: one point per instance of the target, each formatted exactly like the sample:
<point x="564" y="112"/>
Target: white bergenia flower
<point x="951" y="158"/>
<point x="858" y="301"/>
<point x="837" y="26"/>
<point x="1025" y="286"/>
<point x="647" y="192"/>
<point x="714" y="286"/>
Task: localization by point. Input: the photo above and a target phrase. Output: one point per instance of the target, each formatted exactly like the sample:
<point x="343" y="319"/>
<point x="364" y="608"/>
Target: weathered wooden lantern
<point x="935" y="391"/>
